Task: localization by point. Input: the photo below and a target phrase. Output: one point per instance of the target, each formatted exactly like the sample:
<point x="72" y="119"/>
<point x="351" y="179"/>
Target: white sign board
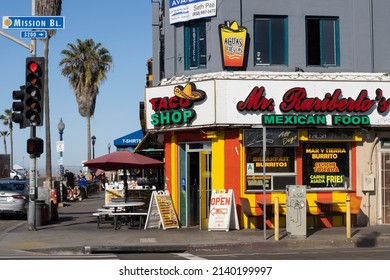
<point x="223" y="212"/>
<point x="247" y="101"/>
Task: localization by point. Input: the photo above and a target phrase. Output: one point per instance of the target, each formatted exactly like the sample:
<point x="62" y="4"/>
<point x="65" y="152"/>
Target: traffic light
<point x="35" y="147"/>
<point x="18" y="107"/>
<point x="35" y="80"/>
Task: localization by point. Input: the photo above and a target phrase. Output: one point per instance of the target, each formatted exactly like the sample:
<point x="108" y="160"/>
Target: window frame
<point x="273" y="177"/>
<point x="199" y="45"/>
<point x="271" y="22"/>
<point x="321" y="45"/>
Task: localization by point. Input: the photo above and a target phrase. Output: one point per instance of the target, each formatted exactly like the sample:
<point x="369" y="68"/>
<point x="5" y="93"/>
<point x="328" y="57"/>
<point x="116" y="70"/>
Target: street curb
<point x="270" y="245"/>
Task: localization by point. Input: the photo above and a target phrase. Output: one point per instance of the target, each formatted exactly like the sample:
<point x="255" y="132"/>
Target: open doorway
<point x="195" y="170"/>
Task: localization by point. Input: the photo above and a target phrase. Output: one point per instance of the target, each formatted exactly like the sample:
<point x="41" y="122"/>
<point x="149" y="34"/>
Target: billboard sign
<point x="186" y="10"/>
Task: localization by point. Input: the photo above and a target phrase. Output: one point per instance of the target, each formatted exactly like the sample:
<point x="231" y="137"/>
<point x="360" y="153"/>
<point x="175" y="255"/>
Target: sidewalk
<point x="76" y="233"/>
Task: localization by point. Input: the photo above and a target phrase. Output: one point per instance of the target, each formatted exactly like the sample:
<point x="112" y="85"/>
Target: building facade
<point x="254" y="96"/>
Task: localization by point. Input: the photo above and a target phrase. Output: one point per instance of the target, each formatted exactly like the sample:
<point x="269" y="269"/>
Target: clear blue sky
<point x="121" y="26"/>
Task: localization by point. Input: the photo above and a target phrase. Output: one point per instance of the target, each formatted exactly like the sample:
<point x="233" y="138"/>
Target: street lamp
<point x="93" y="138"/>
<point x="61" y="127"/>
<point x="109" y="147"/>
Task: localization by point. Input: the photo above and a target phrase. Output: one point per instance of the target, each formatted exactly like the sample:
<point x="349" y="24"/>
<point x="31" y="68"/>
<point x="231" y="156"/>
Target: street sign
<point x="33" y="22"/>
<point x="33" y="34"/>
<point x="60" y="146"/>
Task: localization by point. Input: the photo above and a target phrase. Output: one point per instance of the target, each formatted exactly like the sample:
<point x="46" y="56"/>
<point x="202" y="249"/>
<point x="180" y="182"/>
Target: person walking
<point x="69" y="176"/>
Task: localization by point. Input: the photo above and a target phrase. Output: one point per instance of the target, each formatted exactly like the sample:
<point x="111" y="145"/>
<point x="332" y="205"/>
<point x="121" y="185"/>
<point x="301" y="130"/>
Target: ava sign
<point x="33" y="22"/>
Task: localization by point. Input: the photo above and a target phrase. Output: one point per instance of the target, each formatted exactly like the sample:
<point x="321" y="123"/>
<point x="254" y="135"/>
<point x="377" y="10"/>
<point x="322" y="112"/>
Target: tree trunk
<point x="47" y="116"/>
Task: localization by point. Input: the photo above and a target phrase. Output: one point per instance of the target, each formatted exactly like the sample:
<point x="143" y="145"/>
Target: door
<point x="195" y="178"/>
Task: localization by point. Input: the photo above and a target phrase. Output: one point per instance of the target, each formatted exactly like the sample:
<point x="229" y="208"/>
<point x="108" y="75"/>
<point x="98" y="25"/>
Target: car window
<point x="12" y="187"/>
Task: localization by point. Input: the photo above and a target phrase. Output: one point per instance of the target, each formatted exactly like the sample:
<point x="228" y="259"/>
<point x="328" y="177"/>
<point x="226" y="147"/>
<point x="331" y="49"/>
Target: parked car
<point x="14" y="197"/>
<point x="17" y="175"/>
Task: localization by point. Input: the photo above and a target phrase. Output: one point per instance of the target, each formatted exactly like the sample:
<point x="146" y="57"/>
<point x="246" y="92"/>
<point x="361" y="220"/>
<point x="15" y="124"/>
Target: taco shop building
<point x="327" y="132"/>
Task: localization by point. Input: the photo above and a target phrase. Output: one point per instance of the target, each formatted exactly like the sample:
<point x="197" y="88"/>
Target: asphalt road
<point x="372" y="253"/>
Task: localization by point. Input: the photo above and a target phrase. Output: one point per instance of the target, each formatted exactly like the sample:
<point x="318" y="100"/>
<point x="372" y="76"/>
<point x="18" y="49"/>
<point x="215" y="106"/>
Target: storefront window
<point x="326" y="165"/>
<point x="279" y="168"/>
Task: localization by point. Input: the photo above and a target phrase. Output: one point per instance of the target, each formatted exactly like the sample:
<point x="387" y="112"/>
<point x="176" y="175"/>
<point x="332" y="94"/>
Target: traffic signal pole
<point x="33" y="192"/>
<point x="31" y="218"/>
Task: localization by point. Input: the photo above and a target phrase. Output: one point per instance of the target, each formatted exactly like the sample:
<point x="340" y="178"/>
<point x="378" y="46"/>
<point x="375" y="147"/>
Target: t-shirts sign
<point x="223" y="213"/>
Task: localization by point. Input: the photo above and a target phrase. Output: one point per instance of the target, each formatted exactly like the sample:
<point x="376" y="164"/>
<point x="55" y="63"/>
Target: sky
<point x="124" y="28"/>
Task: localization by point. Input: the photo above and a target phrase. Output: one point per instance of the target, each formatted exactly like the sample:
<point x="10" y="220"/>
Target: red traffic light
<point x="32" y="66"/>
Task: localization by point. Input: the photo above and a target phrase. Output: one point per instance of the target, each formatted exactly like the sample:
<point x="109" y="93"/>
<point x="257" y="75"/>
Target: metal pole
<point x="276" y="210"/>
<point x="264" y="193"/>
<point x="348" y="217"/>
<point x="31" y="219"/>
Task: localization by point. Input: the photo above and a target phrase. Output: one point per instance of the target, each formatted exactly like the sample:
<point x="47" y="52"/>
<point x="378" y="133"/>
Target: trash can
<point x="40" y="213"/>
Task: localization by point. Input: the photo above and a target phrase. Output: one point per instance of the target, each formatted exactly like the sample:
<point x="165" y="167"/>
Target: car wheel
<point x="16" y="178"/>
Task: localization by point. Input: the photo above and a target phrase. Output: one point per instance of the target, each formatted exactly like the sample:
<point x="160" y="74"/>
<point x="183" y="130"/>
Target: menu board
<point x="161" y="211"/>
<point x="326" y="165"/>
<point x="153" y="219"/>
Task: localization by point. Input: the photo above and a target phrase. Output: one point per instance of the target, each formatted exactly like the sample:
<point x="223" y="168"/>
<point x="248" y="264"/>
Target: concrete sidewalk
<point x="76" y="232"/>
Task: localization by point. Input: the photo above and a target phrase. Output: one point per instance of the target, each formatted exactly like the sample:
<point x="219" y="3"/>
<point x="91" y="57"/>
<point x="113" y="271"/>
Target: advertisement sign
<point x="272" y="102"/>
<point x="223" y="212"/>
<point x="326" y="164"/>
<point x="275" y="137"/>
<point x="233" y="38"/>
<point x="185" y="10"/>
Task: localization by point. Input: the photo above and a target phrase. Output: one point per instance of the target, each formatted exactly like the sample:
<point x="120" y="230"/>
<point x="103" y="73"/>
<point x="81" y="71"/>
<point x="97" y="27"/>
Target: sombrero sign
<point x="177" y="109"/>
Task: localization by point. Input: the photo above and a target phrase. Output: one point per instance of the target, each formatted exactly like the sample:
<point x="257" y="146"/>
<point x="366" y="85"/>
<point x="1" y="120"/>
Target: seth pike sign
<point x="33" y="22"/>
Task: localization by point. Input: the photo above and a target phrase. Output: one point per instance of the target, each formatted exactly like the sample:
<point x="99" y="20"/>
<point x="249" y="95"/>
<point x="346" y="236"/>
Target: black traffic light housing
<point x="19" y="107"/>
<point x="35" y="146"/>
<point x="35" y="80"/>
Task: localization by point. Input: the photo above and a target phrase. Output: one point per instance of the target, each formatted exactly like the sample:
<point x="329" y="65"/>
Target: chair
<point x="355" y="205"/>
<point x="247" y="210"/>
<point x="314" y="211"/>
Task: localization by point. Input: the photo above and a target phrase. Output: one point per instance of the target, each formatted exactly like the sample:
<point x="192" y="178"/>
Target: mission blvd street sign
<point x="33" y="22"/>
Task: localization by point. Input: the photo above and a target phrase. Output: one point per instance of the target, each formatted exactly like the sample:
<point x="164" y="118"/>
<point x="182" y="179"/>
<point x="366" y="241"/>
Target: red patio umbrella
<point x="123" y="159"/>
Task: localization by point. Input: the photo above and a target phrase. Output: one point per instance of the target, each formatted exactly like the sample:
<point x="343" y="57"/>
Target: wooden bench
<point x="123" y="218"/>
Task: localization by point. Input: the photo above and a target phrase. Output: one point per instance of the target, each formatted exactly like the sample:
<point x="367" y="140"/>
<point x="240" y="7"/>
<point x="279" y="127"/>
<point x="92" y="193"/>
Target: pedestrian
<point x="103" y="181"/>
<point x="82" y="181"/>
<point x="69" y="176"/>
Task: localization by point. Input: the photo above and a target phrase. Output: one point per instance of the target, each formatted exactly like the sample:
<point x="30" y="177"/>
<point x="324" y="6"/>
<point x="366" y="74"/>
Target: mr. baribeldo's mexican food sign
<point x="268" y="102"/>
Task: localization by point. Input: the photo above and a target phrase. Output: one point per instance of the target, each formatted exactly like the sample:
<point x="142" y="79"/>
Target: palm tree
<point x="47" y="8"/>
<point x="4" y="134"/>
<point x="86" y="65"/>
<point x="7" y="121"/>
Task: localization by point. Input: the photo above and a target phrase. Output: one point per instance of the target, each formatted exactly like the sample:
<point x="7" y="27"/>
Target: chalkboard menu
<point x="275" y="137"/>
